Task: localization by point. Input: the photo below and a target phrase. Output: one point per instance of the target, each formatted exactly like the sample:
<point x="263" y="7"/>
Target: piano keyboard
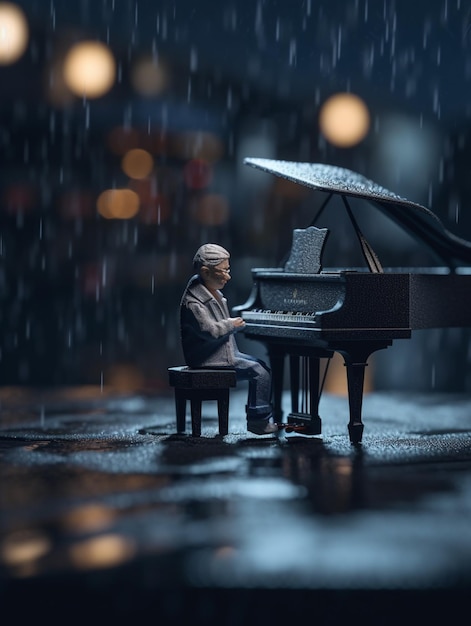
<point x="289" y="318"/>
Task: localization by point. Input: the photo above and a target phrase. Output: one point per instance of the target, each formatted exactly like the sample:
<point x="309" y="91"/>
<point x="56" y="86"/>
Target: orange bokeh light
<point x="89" y="69"/>
<point x="344" y="120"/>
<point x="211" y="209"/>
<point x="137" y="163"/>
<point x="118" y="204"/>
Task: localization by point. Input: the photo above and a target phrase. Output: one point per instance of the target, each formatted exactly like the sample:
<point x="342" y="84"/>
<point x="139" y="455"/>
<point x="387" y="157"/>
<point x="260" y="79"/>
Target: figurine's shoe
<point x="261" y="427"/>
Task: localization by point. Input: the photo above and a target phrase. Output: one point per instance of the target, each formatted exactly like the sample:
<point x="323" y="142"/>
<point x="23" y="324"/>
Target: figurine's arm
<point x="206" y="324"/>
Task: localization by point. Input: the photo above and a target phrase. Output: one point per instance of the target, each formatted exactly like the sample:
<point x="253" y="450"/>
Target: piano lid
<point x="419" y="221"/>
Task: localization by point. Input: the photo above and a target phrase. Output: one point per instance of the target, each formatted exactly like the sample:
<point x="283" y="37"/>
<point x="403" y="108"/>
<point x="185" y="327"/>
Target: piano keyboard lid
<point x="419" y="221"/>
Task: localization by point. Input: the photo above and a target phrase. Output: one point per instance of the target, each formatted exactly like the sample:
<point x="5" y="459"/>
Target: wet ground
<point x="106" y="511"/>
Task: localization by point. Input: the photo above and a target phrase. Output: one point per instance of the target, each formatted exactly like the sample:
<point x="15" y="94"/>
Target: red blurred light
<point x="19" y="198"/>
<point x="197" y="174"/>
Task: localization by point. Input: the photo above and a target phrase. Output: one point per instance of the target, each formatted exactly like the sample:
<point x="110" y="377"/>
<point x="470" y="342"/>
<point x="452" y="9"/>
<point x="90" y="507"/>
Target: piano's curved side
<point x="448" y="247"/>
<point x="417" y="220"/>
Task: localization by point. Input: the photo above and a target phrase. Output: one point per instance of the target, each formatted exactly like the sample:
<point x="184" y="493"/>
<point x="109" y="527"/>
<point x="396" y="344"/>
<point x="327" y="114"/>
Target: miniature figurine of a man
<point x="208" y="334"/>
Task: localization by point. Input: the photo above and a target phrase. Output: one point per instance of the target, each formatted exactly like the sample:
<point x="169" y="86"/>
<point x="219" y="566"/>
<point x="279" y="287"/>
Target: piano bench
<point x="198" y="385"/>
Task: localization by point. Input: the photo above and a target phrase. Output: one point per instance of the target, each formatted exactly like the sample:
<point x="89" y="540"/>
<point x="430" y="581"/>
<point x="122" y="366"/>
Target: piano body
<point x="304" y="313"/>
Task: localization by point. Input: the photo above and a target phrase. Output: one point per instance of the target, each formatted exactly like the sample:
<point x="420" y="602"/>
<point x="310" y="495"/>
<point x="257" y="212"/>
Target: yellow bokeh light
<point x="24" y="547"/>
<point x="124" y="377"/>
<point x="149" y="77"/>
<point x="14" y="33"/>
<point x="89" y="69"/>
<point x="344" y="120"/>
<point x="88" y="517"/>
<point x="119" y="204"/>
<point x="101" y="552"/>
<point x="137" y="163"/>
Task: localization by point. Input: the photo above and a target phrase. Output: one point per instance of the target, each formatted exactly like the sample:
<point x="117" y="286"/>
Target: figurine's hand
<point x="237" y="322"/>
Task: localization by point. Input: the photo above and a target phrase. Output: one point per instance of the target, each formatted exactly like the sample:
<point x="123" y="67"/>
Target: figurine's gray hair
<point x="209" y="254"/>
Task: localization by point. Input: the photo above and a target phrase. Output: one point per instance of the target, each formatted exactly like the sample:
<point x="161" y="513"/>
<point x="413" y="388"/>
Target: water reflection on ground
<point x="94" y="482"/>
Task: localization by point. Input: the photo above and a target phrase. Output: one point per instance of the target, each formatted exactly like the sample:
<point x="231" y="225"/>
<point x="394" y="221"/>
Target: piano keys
<point x="305" y="313"/>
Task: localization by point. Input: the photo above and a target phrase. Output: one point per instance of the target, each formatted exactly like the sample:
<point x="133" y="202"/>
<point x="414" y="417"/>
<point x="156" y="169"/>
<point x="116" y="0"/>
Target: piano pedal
<point x="290" y="428"/>
<point x="304" y="423"/>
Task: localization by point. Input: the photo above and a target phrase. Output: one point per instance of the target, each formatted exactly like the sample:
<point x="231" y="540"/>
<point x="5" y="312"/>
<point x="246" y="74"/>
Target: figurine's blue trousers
<point x="258" y="375"/>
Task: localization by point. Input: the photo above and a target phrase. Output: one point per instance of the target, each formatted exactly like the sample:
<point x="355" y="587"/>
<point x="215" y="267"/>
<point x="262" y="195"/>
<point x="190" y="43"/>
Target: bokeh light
<point x="137" y="163"/>
<point x="118" y="204"/>
<point x="124" y="376"/>
<point x="211" y="209"/>
<point x="149" y="77"/>
<point x="197" y="174"/>
<point x="19" y="197"/>
<point x="406" y="156"/>
<point x="24" y="546"/>
<point x="89" y="69"/>
<point x="14" y="33"/>
<point x="344" y="120"/>
<point x="101" y="552"/>
<point x="89" y="517"/>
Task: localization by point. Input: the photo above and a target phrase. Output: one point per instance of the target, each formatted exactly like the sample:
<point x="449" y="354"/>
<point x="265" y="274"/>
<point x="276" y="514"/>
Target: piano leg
<point x="277" y="362"/>
<point x="355" y="382"/>
<point x="355" y="358"/>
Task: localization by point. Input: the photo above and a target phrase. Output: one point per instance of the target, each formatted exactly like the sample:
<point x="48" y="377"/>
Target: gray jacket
<point x="207" y="335"/>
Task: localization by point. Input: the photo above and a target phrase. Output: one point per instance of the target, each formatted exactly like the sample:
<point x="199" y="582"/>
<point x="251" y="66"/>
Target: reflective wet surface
<point x="104" y="505"/>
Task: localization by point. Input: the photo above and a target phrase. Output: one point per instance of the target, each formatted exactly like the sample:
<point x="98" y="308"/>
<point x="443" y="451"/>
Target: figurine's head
<point x="212" y="264"/>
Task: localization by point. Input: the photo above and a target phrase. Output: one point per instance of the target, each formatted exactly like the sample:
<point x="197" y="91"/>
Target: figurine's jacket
<point x="207" y="334"/>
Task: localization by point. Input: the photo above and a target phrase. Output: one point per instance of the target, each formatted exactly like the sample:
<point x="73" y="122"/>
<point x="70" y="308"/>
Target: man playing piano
<point x="208" y="334"/>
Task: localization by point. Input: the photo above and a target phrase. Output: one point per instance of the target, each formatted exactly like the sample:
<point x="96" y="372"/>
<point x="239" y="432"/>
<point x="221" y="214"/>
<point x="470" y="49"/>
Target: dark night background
<point x="93" y="301"/>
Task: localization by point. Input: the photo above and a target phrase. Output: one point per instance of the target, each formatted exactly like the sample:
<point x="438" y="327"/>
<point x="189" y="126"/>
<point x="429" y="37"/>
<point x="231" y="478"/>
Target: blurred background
<point x="123" y="129"/>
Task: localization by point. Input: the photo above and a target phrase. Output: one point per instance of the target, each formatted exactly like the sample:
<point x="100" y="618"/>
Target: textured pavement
<point x="103" y="505"/>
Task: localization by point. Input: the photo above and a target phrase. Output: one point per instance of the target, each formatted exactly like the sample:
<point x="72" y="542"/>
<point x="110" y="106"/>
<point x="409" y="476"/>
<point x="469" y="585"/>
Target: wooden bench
<point x="198" y="385"/>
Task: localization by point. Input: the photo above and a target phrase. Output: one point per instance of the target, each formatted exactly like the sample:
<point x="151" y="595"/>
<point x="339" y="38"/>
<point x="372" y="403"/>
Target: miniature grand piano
<point x="305" y="313"/>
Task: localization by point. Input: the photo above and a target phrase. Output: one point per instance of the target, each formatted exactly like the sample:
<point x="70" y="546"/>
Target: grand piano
<point x="304" y="313"/>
